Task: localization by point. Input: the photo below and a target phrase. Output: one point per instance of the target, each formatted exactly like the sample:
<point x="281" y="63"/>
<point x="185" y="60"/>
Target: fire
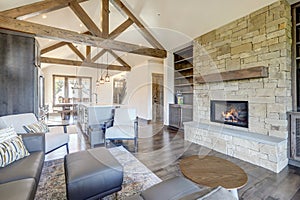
<point x="231" y="115"/>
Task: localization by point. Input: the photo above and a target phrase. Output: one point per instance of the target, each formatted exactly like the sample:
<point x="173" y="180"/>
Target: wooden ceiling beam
<point x="85" y="19"/>
<point x="52" y="47"/>
<point x="76" y="51"/>
<point x="105" y="18"/>
<point x="82" y="64"/>
<point x="74" y="37"/>
<point x="147" y="35"/>
<point x="98" y="55"/>
<point x="120" y="60"/>
<point x="34" y="9"/>
<point x="120" y="29"/>
<point x="57" y="45"/>
<point x="88" y="54"/>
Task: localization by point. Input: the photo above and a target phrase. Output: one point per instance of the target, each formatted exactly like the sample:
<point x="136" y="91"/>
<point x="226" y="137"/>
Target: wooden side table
<point x="212" y="171"/>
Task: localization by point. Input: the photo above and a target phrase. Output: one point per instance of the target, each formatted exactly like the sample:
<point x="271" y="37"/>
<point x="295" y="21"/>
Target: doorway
<point x="157" y="97"/>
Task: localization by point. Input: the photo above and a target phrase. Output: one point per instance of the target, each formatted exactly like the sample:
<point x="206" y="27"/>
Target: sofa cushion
<point x="17" y="121"/>
<point x="37" y="127"/>
<point x="16" y="190"/>
<point x="7" y="133"/>
<point x="28" y="167"/>
<point x="11" y="150"/>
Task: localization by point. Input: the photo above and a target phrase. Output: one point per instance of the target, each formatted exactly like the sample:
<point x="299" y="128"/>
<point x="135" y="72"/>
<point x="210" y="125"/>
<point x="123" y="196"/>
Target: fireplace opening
<point x="229" y="112"/>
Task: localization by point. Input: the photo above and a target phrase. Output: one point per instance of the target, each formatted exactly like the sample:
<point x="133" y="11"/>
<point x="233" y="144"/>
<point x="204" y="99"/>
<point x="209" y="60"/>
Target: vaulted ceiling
<point x="170" y="22"/>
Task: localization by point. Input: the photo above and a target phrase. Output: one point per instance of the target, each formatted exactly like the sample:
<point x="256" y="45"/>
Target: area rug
<point x="137" y="177"/>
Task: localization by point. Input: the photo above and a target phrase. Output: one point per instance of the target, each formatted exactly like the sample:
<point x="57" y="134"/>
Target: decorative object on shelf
<point x="179" y="97"/>
<point x="107" y="79"/>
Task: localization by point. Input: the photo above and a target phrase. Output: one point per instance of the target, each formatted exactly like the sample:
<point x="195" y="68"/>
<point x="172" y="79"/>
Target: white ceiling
<point x="172" y="22"/>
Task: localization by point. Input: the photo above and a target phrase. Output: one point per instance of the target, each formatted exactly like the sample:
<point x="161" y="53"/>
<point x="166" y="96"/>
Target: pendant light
<point x="101" y="78"/>
<point x="97" y="80"/>
<point x="107" y="78"/>
<point x="76" y="86"/>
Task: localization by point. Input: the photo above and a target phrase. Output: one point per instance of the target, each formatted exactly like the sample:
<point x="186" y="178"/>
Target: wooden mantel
<point x="249" y="73"/>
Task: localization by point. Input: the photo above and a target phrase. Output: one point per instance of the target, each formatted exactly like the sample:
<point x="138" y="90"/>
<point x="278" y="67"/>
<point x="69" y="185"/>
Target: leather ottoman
<point x="92" y="174"/>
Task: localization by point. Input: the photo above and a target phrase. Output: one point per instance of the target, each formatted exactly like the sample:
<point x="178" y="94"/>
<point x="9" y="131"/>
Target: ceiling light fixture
<point x="44" y="16"/>
<point x="101" y="81"/>
<point x="77" y="86"/>
<point x="97" y="81"/>
<point x="107" y="78"/>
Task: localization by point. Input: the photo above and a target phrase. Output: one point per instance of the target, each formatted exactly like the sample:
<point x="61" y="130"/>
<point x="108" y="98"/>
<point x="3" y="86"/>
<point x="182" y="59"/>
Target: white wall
<point x="139" y="87"/>
<point x="169" y="85"/>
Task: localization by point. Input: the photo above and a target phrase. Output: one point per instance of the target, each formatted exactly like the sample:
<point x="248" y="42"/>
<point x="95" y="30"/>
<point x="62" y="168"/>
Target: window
<point x="65" y="92"/>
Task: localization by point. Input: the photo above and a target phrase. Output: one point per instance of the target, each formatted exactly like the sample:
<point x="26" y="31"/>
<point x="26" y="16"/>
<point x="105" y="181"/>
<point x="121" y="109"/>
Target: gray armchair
<point x="124" y="126"/>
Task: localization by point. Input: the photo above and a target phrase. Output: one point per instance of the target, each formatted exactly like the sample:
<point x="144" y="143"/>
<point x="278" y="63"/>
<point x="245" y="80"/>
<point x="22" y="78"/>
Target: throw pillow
<point x="38" y="127"/>
<point x="7" y="133"/>
<point x="11" y="150"/>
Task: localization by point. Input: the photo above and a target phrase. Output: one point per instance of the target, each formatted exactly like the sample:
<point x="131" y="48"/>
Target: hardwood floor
<point x="160" y="149"/>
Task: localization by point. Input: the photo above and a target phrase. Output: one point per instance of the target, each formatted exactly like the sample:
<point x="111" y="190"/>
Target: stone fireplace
<point x="248" y="62"/>
<point x="233" y="113"/>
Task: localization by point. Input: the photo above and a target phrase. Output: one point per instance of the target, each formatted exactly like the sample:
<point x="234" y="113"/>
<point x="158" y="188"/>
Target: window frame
<point x="66" y="92"/>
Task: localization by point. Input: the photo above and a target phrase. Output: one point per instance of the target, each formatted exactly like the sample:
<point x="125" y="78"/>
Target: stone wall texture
<point x="262" y="38"/>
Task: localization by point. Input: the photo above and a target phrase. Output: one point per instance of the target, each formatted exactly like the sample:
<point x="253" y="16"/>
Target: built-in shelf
<point x="184" y="69"/>
<point x="190" y="59"/>
<point x="187" y="92"/>
<point x="183" y="85"/>
<point x="183" y="77"/>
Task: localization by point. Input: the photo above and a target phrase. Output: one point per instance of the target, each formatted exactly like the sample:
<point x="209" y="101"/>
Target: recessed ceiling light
<point x="44" y="16"/>
<point x="81" y="25"/>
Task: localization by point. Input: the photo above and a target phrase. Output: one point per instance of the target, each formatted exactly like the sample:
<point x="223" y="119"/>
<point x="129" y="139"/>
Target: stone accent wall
<point x="265" y="151"/>
<point x="262" y="38"/>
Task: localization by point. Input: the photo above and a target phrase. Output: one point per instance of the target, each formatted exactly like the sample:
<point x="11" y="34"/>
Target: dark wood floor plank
<point x="161" y="149"/>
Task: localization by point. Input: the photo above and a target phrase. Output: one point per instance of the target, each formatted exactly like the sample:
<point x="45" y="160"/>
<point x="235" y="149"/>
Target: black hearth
<point x="230" y="112"/>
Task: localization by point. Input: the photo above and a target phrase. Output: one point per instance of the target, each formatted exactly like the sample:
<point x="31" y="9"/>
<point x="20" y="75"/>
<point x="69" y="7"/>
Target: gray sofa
<point x="19" y="180"/>
<point x="180" y="188"/>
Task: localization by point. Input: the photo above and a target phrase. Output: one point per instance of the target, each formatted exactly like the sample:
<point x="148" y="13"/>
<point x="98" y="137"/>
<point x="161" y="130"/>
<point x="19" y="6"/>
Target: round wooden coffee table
<point x="212" y="171"/>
